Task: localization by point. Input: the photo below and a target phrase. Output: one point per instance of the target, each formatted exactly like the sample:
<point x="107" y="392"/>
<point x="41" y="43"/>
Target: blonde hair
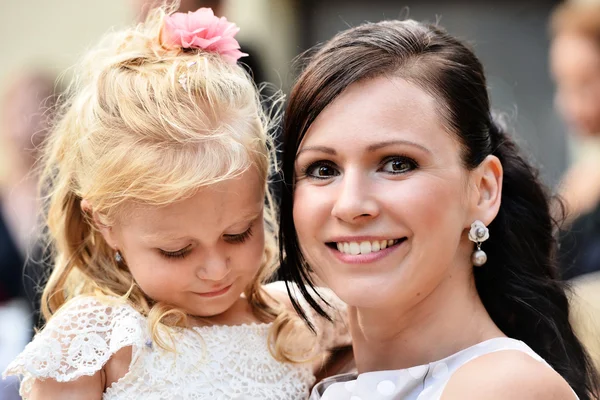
<point x="148" y="124"/>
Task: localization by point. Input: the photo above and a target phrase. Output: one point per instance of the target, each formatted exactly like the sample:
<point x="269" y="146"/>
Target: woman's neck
<point x="449" y="319"/>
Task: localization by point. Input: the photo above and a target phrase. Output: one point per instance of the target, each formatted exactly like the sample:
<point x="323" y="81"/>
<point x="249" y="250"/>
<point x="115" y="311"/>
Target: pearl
<point x="480" y="232"/>
<point x="479" y="258"/>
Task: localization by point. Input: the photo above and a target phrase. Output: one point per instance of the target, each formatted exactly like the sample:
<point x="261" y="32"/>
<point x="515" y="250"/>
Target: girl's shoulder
<point x="329" y="302"/>
<point x="79" y="339"/>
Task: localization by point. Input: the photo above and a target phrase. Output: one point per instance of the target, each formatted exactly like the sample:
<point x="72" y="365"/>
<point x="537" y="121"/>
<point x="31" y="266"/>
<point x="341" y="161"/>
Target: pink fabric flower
<point x="202" y="30"/>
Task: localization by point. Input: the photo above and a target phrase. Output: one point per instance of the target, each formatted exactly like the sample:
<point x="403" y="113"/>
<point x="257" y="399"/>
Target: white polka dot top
<point x="424" y="382"/>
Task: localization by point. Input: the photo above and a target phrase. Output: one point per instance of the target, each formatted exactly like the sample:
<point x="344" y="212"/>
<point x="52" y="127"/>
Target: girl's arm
<point x="86" y="387"/>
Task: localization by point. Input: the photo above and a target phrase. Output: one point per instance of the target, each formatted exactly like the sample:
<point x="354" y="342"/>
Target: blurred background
<point x="511" y="37"/>
<point x="542" y="60"/>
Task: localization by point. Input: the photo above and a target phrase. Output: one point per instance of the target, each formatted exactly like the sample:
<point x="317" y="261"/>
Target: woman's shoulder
<point x="507" y="374"/>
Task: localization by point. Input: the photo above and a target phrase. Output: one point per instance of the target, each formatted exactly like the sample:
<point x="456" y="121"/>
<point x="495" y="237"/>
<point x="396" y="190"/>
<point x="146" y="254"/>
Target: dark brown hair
<point x="519" y="285"/>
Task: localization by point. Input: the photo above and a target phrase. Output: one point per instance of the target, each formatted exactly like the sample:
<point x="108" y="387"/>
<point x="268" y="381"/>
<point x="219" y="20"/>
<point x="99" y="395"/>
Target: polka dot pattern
<point x="418" y="372"/>
<point x="440" y="371"/>
<point x="386" y="388"/>
<point x="350" y="385"/>
<point x="424" y="382"/>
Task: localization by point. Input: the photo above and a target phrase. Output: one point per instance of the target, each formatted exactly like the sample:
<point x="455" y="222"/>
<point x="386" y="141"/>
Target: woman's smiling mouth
<point x="364" y="251"/>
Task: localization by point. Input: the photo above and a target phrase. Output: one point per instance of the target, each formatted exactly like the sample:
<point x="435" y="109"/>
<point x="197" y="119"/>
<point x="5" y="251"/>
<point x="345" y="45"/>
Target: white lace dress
<point x="216" y="362"/>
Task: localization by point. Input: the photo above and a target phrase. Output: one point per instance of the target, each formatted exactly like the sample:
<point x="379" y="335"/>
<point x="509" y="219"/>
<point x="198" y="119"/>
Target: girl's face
<point x="198" y="254"/>
<point x="382" y="201"/>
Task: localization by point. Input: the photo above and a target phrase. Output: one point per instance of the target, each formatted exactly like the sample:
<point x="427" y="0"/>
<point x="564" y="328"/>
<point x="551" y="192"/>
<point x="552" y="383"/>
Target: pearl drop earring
<point x="479" y="233"/>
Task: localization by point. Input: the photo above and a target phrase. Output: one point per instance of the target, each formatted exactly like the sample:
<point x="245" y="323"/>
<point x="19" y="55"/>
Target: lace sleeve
<point x="77" y="341"/>
<point x="331" y="334"/>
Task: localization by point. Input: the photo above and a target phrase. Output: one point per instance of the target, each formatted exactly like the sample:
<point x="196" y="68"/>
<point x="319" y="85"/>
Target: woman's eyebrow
<point x="321" y="149"/>
<point x="380" y="145"/>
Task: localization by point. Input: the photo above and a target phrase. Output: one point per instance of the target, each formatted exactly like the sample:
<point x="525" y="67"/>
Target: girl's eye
<point x="239" y="238"/>
<point x="182" y="253"/>
<point x="321" y="170"/>
<point x="398" y="165"/>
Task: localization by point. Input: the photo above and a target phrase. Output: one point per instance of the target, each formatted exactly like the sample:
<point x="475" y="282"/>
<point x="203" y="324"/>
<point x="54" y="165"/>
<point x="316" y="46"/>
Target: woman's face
<point x="381" y="199"/>
<point x="575" y="63"/>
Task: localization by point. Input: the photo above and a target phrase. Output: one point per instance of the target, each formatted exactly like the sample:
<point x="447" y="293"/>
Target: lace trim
<point x="78" y="341"/>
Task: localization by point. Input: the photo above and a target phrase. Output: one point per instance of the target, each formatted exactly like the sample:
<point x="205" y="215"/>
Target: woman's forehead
<point x="380" y="109"/>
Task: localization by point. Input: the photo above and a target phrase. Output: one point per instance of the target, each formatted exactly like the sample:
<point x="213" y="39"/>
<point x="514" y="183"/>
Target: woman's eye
<point x="398" y="165"/>
<point x="321" y="170"/>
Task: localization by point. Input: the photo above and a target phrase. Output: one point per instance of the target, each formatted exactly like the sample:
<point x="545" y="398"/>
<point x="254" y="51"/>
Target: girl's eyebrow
<point x="173" y="235"/>
<point x="162" y="235"/>
<point x="251" y="216"/>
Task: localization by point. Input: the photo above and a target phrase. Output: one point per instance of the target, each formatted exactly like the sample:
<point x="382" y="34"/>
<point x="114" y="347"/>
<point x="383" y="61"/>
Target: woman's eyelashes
<point x="398" y="165"/>
<point x="321" y="170"/>
<point x="233" y="239"/>
<point x="393" y="165"/>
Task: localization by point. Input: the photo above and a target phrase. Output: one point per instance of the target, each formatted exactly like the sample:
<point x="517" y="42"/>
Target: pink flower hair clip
<point x="202" y="30"/>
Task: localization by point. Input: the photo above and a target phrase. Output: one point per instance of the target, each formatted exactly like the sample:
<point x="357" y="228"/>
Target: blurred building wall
<point x="51" y="35"/>
<point x="271" y="27"/>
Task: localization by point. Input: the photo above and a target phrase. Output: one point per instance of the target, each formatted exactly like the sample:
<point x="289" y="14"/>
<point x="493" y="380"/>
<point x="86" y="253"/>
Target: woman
<point x="417" y="210"/>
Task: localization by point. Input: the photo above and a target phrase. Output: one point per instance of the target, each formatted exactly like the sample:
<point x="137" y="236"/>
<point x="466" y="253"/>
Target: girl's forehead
<point x="221" y="204"/>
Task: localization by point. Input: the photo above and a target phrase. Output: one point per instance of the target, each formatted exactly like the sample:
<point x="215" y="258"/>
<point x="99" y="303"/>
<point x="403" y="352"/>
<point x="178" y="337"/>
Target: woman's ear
<point x="106" y="230"/>
<point x="486" y="193"/>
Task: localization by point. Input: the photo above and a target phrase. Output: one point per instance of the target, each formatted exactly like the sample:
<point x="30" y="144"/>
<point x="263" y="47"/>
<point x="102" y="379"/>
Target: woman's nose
<point x="355" y="200"/>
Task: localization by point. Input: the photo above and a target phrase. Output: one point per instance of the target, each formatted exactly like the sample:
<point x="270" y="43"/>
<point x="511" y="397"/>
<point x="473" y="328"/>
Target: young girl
<point x="158" y="173"/>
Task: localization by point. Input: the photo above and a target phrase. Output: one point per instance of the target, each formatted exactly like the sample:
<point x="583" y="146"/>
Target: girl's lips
<point x="365" y="258"/>
<point x="215" y="293"/>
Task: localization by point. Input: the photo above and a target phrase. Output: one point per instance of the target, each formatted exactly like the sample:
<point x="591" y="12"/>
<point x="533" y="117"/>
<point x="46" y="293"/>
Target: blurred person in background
<point x="575" y="67"/>
<point x="585" y="313"/>
<point x="24" y="124"/>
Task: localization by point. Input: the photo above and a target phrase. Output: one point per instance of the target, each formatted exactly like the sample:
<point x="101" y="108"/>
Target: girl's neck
<point x="449" y="319"/>
<point x="238" y="314"/>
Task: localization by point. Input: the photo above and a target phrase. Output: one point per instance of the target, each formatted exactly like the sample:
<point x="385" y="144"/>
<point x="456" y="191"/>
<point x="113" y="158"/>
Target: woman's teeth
<point x="365" y="247"/>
